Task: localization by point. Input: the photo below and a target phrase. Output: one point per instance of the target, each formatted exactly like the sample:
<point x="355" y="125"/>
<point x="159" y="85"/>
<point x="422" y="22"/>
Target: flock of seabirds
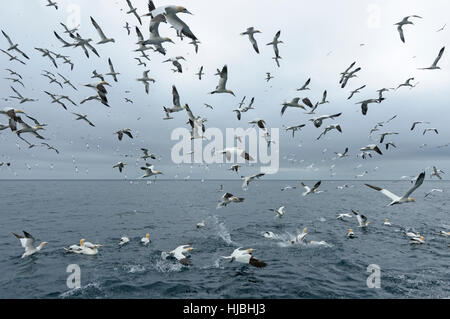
<point x="17" y="119"/>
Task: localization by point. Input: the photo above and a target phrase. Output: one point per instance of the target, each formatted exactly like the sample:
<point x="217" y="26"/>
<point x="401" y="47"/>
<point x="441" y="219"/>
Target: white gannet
<point x="362" y="220"/>
<point x="123" y="241"/>
<point x="407" y="83"/>
<point x="279" y="212"/>
<point x="235" y="168"/>
<point x="251" y="178"/>
<point x="201" y="225"/>
<point x="444" y="233"/>
<point x="350" y="234"/>
<point x="329" y="128"/>
<point x="434" y="65"/>
<point x="371" y="147"/>
<point x="295" y="129"/>
<point x="145" y="240"/>
<point x="29" y="129"/>
<point x="436" y="172"/>
<point x="411" y="234"/>
<point x="229" y="198"/>
<point x="104" y="39"/>
<point x="387" y="222"/>
<point x="176" y="103"/>
<point x="147" y="154"/>
<point x="176" y="64"/>
<point x="101" y="91"/>
<point x="245" y="257"/>
<point x="20" y="97"/>
<point x="179" y="252"/>
<point x="401" y="200"/>
<point x="402" y="23"/>
<point x="342" y="155"/>
<point x="12" y="116"/>
<point x="250" y="32"/>
<point x="301" y="237"/>
<point x="275" y="43"/>
<point x="417" y="240"/>
<point x="85" y="248"/>
<point x="146" y="80"/>
<point x="311" y="190"/>
<point x="294" y="103"/>
<point x="269" y="234"/>
<point x="365" y="104"/>
<point x="347" y="76"/>
<point x="221" y="88"/>
<point x="149" y="171"/>
<point x="27" y="242"/>
<point x="342" y="216"/>
<point x="433" y="191"/>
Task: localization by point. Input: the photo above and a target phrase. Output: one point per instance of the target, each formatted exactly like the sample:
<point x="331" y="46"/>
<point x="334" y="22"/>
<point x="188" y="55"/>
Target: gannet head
<point x="82" y="242"/>
<point x="231" y="92"/>
<point x="42" y="244"/>
<point x="147" y="236"/>
<point x="189" y="249"/>
<point x="250" y="250"/>
<point x="411" y="199"/>
<point x="20" y="111"/>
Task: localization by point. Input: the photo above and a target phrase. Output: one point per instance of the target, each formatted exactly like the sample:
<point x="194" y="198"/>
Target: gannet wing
<point x="385" y="192"/>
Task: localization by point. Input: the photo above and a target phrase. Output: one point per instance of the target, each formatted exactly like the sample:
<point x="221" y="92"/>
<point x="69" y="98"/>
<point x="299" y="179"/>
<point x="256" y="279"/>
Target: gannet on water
<point x="401" y="200"/>
<point x="350" y="233"/>
<point x="145" y="240"/>
<point x="85" y="248"/>
<point x="179" y="252"/>
<point x="342" y="216"/>
<point x="387" y="222"/>
<point x="301" y="237"/>
<point x="417" y="240"/>
<point x="27" y="242"/>
<point x="201" y="225"/>
<point x="245" y="257"/>
<point x="123" y="241"/>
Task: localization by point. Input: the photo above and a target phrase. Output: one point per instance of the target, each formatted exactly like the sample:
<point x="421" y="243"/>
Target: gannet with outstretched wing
<point x="405" y="198"/>
<point x="27" y="242"/>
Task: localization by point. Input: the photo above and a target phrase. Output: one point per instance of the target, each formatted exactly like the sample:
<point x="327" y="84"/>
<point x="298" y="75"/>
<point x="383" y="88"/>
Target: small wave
<point x="221" y="230"/>
<point x="166" y="266"/>
<point x="91" y="289"/>
<point x="132" y="269"/>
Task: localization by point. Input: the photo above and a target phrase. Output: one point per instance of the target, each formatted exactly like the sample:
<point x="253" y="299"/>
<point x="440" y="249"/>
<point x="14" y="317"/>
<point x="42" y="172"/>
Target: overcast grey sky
<point x="321" y="39"/>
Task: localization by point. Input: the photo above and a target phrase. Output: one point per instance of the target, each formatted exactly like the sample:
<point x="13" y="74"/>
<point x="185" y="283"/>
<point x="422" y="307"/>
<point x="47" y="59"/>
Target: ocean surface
<point x="62" y="212"/>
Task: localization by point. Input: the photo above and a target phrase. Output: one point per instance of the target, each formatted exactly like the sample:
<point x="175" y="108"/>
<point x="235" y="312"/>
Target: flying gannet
<point x="402" y="23"/>
<point x="229" y="198"/>
<point x="250" y="32"/>
<point x="401" y="200"/>
<point x="362" y="220"/>
<point x="221" y="88"/>
<point x="245" y="257"/>
<point x="179" y="252"/>
<point x="313" y="190"/>
<point x="436" y="61"/>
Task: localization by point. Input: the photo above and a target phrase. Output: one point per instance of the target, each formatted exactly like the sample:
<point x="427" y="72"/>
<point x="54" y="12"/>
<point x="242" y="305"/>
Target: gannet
<point x="52" y="4"/>
<point x="434" y="65"/>
<point x="29" y="129"/>
<point x="293" y="103"/>
<point x="13" y="46"/>
<point x="383" y="135"/>
<point x="235" y="168"/>
<point x="104" y="39"/>
<point x="411" y="234"/>
<point x="269" y="76"/>
<point x="355" y="91"/>
<point x="342" y="155"/>
<point x="417" y="240"/>
<point x="433" y="191"/>
<point x="430" y="130"/>
<point x="279" y="212"/>
<point x="371" y="147"/>
<point x="444" y="233"/>
<point x="120" y="133"/>
<point x="195" y="44"/>
<point x="133" y="11"/>
<point x="221" y="88"/>
<point x="347" y="76"/>
<point x="15" y="81"/>
<point x="295" y="129"/>
<point x="120" y="166"/>
<point x="145" y="240"/>
<point x="269" y="234"/>
<point x="402" y="23"/>
<point x="67" y="81"/>
<point x="85" y="248"/>
<point x="387" y="223"/>
<point x="84" y="118"/>
<point x="27" y="242"/>
<point x="149" y="171"/>
<point x="275" y="43"/>
<point x="49" y="147"/>
<point x="319" y="120"/>
<point x="20" y="97"/>
<point x="416" y="123"/>
<point x="342" y="216"/>
<point x="390" y="144"/>
<point x="112" y="72"/>
<point x="362" y="220"/>
<point x="13" y="58"/>
<point x="330" y="128"/>
<point x="436" y="172"/>
<point x="250" y="32"/>
<point x="127" y="27"/>
<point x="365" y="105"/>
<point x="311" y="190"/>
<point x="245" y="257"/>
<point x="101" y="91"/>
<point x="84" y="44"/>
<point x="200" y="73"/>
<point x="301" y="237"/>
<point x="401" y="200"/>
<point x="350" y="233"/>
<point x="407" y="83"/>
<point x="123" y="241"/>
<point x="201" y="225"/>
<point x="12" y="116"/>
<point x="229" y="198"/>
<point x="176" y="103"/>
<point x="147" y="154"/>
<point x="179" y="252"/>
